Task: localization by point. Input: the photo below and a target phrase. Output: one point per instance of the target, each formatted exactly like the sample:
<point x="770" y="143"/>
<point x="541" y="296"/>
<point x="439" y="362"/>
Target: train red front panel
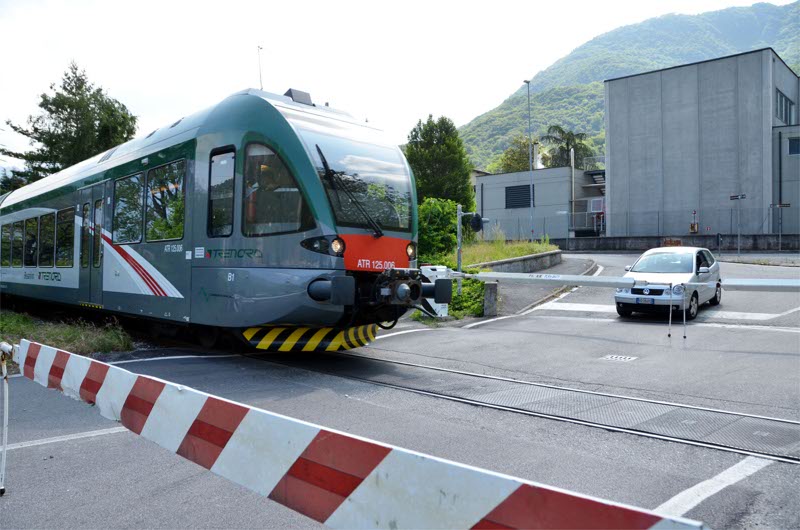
<point x="363" y="252"/>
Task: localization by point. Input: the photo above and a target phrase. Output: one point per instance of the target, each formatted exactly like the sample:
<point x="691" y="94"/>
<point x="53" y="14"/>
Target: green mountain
<point x="570" y="91"/>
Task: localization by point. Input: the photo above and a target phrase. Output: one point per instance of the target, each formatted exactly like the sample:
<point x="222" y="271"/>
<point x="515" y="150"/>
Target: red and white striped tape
<point x="338" y="479"/>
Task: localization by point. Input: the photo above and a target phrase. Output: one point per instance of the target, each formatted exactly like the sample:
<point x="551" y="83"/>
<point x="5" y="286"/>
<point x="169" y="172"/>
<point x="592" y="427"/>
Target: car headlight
<point x="678" y="289"/>
<point x="623" y="291"/>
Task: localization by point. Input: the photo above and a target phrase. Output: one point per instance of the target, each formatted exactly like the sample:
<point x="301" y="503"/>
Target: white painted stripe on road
<point x="587" y="308"/>
<point x="173" y="357"/>
<point x="403" y="333"/>
<point x="688" y="499"/>
<point x="66" y="438"/>
<point x="610" y="308"/>
<point x="754" y="327"/>
<point x="482" y="322"/>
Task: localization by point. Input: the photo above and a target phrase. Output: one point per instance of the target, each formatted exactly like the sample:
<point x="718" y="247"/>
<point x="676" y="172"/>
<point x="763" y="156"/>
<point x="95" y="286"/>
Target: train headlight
<point x="411" y="250"/>
<point x="333" y="246"/>
<point x="337" y="246"/>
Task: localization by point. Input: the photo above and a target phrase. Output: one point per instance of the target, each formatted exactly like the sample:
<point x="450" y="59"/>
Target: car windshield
<point x="665" y="262"/>
<point x="367" y="173"/>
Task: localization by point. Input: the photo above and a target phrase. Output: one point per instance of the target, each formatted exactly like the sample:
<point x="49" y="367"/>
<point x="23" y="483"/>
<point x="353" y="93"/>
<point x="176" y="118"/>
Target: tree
<point x="515" y="157"/>
<point x="561" y="141"/>
<point x="77" y="121"/>
<point x="9" y="181"/>
<point x="437" y="227"/>
<point x="440" y="163"/>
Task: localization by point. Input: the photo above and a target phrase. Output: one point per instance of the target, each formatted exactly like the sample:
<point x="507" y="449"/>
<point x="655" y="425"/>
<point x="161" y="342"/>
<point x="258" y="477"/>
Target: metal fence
<point x="709" y="222"/>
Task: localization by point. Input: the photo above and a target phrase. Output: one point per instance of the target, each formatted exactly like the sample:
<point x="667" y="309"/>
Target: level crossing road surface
<point x="743" y="356"/>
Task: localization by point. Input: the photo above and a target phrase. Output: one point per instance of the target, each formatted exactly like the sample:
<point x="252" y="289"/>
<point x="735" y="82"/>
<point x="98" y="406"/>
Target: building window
<point x="86" y="222"/>
<point x="17" y="244"/>
<point x="220" y="195"/>
<point x="783" y="107"/>
<point x="273" y="204"/>
<point x="519" y="196"/>
<point x="65" y="238"/>
<point x="127" y="222"/>
<point x="794" y="146"/>
<point x="165" y="202"/>
<point x="47" y="236"/>
<point x="31" y="241"/>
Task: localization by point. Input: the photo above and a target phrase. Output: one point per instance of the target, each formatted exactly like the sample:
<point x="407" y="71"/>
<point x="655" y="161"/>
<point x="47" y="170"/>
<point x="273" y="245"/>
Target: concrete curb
<point x="549" y="258"/>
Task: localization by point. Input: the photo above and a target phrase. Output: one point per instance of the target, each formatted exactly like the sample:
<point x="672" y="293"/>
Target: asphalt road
<point x="746" y="359"/>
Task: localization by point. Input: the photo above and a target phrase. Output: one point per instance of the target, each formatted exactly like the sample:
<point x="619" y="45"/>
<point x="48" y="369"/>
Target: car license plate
<point x="645" y="301"/>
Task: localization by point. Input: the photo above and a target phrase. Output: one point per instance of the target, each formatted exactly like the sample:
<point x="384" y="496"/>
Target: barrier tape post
<point x="338" y="479"/>
<point x="5" y="353"/>
<point x="684" y="309"/>
<point x="669" y="328"/>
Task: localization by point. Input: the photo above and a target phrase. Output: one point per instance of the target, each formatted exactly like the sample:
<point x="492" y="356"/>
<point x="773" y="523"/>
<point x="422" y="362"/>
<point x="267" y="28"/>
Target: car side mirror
<point x="627" y="268"/>
<point x="703" y="270"/>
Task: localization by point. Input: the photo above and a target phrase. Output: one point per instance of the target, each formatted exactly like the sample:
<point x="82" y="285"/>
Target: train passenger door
<point x="92" y="203"/>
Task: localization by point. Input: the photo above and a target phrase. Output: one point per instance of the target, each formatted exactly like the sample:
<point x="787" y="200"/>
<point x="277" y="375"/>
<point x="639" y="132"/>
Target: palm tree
<point x="562" y="141"/>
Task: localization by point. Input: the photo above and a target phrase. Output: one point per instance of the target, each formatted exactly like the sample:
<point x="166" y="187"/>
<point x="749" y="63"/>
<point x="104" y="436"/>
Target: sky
<point x="389" y="62"/>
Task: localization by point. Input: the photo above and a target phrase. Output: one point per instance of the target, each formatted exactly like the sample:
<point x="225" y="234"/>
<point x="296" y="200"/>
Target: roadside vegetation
<point x="437" y="246"/>
<point x="76" y="336"/>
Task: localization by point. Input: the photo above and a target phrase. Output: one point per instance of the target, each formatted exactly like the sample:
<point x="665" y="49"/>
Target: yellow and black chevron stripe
<point x="300" y="339"/>
<point x="93" y="306"/>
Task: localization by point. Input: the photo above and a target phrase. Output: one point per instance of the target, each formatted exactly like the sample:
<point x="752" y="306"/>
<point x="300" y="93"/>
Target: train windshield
<point x="368" y="182"/>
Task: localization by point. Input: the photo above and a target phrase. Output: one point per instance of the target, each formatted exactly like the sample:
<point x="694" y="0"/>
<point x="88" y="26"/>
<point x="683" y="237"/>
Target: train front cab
<point x="359" y="194"/>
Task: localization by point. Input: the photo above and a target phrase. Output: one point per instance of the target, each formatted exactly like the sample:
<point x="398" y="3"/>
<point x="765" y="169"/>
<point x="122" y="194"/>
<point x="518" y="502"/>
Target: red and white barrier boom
<point x="338" y="479"/>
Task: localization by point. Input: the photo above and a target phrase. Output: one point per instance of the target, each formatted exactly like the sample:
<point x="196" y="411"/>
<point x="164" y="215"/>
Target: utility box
<point x="433" y="273"/>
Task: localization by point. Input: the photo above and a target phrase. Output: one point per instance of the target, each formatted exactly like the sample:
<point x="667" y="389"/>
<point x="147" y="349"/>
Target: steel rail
<point x="517" y="410"/>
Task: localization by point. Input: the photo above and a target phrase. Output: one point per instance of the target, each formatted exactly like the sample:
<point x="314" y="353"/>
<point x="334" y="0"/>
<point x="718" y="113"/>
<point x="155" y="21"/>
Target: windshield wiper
<point x="333" y="176"/>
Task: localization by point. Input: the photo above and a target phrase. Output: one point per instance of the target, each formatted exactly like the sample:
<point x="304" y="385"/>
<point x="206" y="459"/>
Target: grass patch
<point x="483" y="251"/>
<point x="75" y="337"/>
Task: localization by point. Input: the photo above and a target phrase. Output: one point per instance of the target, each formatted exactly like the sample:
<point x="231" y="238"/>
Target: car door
<point x="704" y="292"/>
<point x="714" y="266"/>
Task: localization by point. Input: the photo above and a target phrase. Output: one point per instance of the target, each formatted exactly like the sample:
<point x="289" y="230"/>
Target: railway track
<point x="766" y="437"/>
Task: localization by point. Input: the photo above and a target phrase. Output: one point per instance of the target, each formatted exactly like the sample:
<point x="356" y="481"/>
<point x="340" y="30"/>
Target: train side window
<point x="85" y="223"/>
<point x="5" y="246"/>
<point x="165" y="202"/>
<point x="97" y="243"/>
<point x="273" y="203"/>
<point x="220" y="195"/>
<point x="128" y="201"/>
<point x="31" y="241"/>
<point x="16" y="244"/>
<point x="65" y="238"/>
<point x="47" y="237"/>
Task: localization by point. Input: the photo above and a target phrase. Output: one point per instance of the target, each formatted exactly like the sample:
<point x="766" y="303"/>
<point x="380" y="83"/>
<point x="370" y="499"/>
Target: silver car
<point x="677" y="278"/>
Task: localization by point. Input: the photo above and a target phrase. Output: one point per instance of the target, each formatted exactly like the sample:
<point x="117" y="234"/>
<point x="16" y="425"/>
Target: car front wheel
<point x="717" y="296"/>
<point x="623" y="311"/>
<point x="691" y="311"/>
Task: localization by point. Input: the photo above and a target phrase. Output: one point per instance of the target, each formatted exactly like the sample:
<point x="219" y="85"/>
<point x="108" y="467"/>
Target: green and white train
<point x="289" y="223"/>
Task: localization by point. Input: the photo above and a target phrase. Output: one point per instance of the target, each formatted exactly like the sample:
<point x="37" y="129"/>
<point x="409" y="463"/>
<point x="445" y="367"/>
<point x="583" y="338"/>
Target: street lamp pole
<point x="530" y="150"/>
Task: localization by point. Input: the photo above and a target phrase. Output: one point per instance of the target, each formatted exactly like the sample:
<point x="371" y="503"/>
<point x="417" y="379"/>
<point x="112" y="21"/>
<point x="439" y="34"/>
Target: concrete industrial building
<point x="681" y="141"/>
<point x="505" y="200"/>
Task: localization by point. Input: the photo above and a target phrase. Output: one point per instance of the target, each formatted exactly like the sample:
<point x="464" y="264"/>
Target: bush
<point x="437" y="226"/>
<point x="470" y="302"/>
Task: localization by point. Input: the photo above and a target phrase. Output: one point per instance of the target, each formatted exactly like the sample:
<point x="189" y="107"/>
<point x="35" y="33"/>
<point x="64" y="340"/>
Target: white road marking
<point x="755" y="327"/>
<point x="66" y="438"/>
<point x="482" y="322"/>
<point x="403" y="333"/>
<point x="587" y="308"/>
<point x="688" y="499"/>
<point x="610" y="308"/>
<point x="173" y="357"/>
